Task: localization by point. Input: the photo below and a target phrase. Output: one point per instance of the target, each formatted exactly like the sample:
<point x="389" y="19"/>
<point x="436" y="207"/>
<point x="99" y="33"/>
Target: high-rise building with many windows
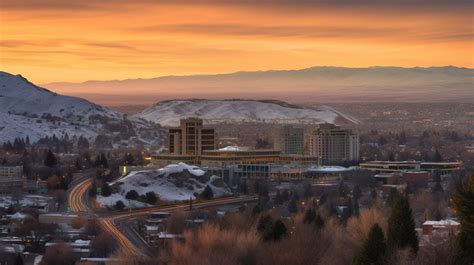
<point x="333" y="144"/>
<point x="289" y="140"/>
<point x="191" y="138"/>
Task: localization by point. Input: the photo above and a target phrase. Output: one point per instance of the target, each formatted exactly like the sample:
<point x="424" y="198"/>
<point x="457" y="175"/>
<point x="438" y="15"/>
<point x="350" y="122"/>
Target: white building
<point x="333" y="144"/>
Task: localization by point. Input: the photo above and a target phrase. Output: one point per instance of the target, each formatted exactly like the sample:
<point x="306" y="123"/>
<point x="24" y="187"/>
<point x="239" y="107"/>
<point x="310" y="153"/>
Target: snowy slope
<point x="168" y="113"/>
<point x="176" y="182"/>
<point x="28" y="110"/>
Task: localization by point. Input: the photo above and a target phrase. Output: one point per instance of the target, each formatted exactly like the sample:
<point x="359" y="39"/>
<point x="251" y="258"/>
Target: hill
<point x="168" y="113"/>
<point x="27" y="110"/>
<point x="175" y="182"/>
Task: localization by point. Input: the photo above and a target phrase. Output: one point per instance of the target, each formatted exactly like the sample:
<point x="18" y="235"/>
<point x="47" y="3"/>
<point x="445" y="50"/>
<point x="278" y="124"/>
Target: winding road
<point x="117" y="223"/>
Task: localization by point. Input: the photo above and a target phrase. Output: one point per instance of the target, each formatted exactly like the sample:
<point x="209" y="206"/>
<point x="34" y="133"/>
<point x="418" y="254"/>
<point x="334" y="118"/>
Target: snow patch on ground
<point x="176" y="182"/>
<point x="168" y="113"/>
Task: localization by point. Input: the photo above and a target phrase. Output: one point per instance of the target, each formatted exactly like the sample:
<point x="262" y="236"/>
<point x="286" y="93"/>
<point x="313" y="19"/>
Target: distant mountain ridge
<point x="169" y="112"/>
<point x="315" y="84"/>
<point x="27" y="110"/>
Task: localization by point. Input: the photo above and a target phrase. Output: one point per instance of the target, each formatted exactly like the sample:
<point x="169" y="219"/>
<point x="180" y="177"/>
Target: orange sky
<point x="57" y="40"/>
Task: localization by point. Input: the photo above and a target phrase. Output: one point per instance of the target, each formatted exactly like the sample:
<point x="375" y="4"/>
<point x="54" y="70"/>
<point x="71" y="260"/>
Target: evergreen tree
<point x="131" y="195"/>
<point x="151" y="197"/>
<point x="437" y="157"/>
<point x="103" y="161"/>
<point x="207" y="193"/>
<point x="106" y="190"/>
<point x="401" y="227"/>
<point x="50" y="160"/>
<point x="373" y="249"/>
<point x="279" y="230"/>
<point x="318" y="221"/>
<point x="119" y="205"/>
<point x="463" y="201"/>
<point x="264" y="223"/>
<point x="309" y="216"/>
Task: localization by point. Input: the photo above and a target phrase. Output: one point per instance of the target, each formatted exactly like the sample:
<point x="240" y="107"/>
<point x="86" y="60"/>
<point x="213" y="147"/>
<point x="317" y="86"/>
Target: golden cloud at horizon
<point x="56" y="40"/>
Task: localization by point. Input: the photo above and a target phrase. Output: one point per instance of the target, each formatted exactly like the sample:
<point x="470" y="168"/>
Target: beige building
<point x="191" y="138"/>
<point x="11" y="179"/>
<point x="333" y="144"/>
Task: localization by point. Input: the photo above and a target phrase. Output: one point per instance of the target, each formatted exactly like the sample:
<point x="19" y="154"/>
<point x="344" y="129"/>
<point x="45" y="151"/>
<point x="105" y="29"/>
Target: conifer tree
<point x="401" y="227"/>
<point x="463" y="201"/>
<point x="50" y="160"/>
<point x="373" y="249"/>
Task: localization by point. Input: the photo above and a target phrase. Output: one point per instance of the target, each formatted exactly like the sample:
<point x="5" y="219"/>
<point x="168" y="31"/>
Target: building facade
<point x="289" y="139"/>
<point x="191" y="138"/>
<point x="11" y="179"/>
<point x="333" y="144"/>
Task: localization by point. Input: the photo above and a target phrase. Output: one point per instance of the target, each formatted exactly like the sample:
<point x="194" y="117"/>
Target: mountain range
<point x="316" y="84"/>
<point x="27" y="110"/>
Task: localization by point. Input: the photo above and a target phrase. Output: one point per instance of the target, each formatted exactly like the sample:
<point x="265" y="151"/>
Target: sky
<point x="57" y="40"/>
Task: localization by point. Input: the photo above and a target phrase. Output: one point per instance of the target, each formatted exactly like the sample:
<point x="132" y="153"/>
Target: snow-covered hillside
<point x="168" y="113"/>
<point x="175" y="182"/>
<point x="29" y="110"/>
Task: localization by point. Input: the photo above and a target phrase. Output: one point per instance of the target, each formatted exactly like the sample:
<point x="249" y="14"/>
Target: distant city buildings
<point x="333" y="144"/>
<point x="440" y="168"/>
<point x="191" y="138"/>
<point x="289" y="139"/>
<point x="11" y="179"/>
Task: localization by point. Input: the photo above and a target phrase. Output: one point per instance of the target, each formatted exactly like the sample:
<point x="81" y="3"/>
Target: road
<point x="118" y="223"/>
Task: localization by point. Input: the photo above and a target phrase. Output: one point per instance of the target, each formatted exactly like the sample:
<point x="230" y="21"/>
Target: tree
<point x="207" y="193"/>
<point x="119" y="205"/>
<point x="106" y="190"/>
<point x="437" y="157"/>
<point x="50" y="160"/>
<point x="19" y="260"/>
<point x="463" y="202"/>
<point x="309" y="216"/>
<point x="151" y="197"/>
<point x="264" y="222"/>
<point x="132" y="195"/>
<point x="103" y="245"/>
<point x="58" y="254"/>
<point x="275" y="231"/>
<point x="35" y="231"/>
<point x="93" y="227"/>
<point x="401" y="227"/>
<point x="373" y="249"/>
<point x="318" y="222"/>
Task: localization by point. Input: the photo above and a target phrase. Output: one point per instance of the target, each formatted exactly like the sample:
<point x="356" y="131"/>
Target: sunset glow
<point x="56" y="40"/>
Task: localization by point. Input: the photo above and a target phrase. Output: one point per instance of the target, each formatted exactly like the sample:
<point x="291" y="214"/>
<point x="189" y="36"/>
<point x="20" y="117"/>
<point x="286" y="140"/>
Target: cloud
<point x="100" y="4"/>
<point x="310" y="31"/>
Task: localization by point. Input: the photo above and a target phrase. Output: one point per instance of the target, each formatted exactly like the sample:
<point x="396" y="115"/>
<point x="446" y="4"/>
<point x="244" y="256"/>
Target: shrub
<point x="151" y="197"/>
<point x="119" y="205"/>
<point x="132" y="195"/>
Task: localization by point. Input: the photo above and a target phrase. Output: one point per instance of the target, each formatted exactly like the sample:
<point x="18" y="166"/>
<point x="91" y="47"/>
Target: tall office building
<point x="11" y="179"/>
<point x="191" y="138"/>
<point x="333" y="144"/>
<point x="289" y="140"/>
